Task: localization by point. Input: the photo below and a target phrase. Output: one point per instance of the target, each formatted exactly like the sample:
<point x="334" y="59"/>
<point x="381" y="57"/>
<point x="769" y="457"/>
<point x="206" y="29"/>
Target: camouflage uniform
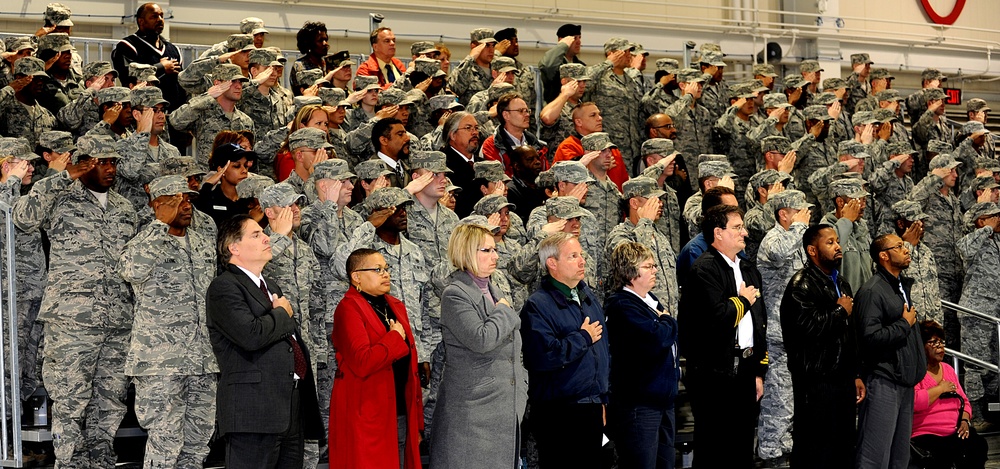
<point x="779" y="257"/>
<point x="926" y="129"/>
<point x="170" y="354"/>
<point x="203" y="116"/>
<point x="924" y="293"/>
<point x="658" y="97"/>
<point x="943" y="230"/>
<point x="888" y="189"/>
<point x="715" y="96"/>
<point x="813" y="155"/>
<point x="855" y="240"/>
<point x="82" y="113"/>
<point x="267" y="112"/>
<point x="86" y="338"/>
<point x="669" y="222"/>
<point x="980" y="251"/>
<point x="693" y="122"/>
<point x="759" y="218"/>
<point x="731" y="140"/>
<point x="467" y="77"/>
<point x="21" y="120"/>
<point x="618" y="96"/>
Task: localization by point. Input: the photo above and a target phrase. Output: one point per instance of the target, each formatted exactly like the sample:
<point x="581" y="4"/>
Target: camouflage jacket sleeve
<point x="320" y="226"/>
<point x="820" y="180"/>
<point x="596" y="74"/>
<point x="32" y="211"/>
<point x="768" y="127"/>
<point x="134" y="164"/>
<point x="923" y="130"/>
<point x="780" y="249"/>
<point x="10" y="190"/>
<point x="882" y="176"/>
<point x="622" y="233"/>
<point x="143" y="253"/>
<point x="692" y="213"/>
<point x="972" y="243"/>
<point x="185" y="117"/>
<point x="359" y="140"/>
<point x="73" y="115"/>
<point x="677" y="108"/>
<point x="268" y="146"/>
<point x="463" y="79"/>
<point x="361" y="237"/>
<point x="926" y="187"/>
<point x="279" y="243"/>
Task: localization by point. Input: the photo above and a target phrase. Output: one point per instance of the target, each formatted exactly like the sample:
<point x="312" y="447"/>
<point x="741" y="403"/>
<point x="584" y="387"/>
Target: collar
<point x="460" y="154"/>
<point x="648" y="299"/>
<point x="381" y="65"/>
<point x="256" y="279"/>
<point x="389" y="161"/>
<point x="517" y="143"/>
<point x="562" y="287"/>
<point x="734" y="264"/>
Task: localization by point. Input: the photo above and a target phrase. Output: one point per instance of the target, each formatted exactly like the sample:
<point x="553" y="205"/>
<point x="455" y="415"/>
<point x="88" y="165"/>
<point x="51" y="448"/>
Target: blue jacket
<point x="645" y="368"/>
<point x="563" y="364"/>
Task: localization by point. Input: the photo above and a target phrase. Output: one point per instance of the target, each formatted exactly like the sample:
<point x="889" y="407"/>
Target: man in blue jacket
<point x="566" y="355"/>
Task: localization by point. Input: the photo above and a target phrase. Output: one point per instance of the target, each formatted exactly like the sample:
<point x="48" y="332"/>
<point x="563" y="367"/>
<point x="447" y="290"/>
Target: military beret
<point x="505" y="34"/>
<point x="386" y="197"/>
<point x="491" y="204"/>
<point x="909" y="210"/>
<point x="597" y="141"/>
<point x="18" y="148"/>
<point x="482" y="35"/>
<point x="433" y="161"/>
<point x="169" y="185"/>
<point x="281" y="194"/>
<point x="57" y="141"/>
<point x="571" y="171"/>
<point x="657" y="146"/>
<point x="333" y="168"/>
<point x="568" y="30"/>
<point x="565" y="208"/>
<point x="776" y="143"/>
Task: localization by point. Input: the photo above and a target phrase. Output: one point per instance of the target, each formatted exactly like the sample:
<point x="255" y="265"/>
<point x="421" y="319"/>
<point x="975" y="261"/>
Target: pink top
<point x="940" y="417"/>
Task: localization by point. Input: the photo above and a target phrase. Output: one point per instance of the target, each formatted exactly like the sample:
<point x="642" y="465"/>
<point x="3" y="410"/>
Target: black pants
<point x="568" y="435"/>
<point x="725" y="417"/>
<point x="823" y="426"/>
<point x="269" y="450"/>
<point x="969" y="453"/>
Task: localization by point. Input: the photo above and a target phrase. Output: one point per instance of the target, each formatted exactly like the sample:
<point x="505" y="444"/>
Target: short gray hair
<point x="549" y="247"/>
<point x="451" y="123"/>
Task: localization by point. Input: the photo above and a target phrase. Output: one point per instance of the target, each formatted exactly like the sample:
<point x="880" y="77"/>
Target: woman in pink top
<point x="935" y="410"/>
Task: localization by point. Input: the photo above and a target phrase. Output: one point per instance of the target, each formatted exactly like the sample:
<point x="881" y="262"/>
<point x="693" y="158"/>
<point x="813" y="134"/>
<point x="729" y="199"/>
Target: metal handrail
<point x="963" y="309"/>
<point x="956" y="356"/>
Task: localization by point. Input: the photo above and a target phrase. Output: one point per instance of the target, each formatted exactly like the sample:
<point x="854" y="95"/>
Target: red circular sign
<point x="945" y="20"/>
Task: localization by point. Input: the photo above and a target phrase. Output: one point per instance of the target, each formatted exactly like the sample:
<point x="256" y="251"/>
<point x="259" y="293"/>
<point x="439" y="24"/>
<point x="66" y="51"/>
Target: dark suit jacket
<point x="250" y="340"/>
<point x="462" y="176"/>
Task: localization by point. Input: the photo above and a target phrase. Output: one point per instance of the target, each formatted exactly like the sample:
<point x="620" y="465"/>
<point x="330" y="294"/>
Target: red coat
<point x="370" y="68"/>
<point x="572" y="149"/>
<point x="363" y="405"/>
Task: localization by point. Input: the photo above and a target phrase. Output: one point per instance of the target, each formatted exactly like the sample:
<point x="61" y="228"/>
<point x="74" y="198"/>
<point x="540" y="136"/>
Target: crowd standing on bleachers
<point x="401" y="238"/>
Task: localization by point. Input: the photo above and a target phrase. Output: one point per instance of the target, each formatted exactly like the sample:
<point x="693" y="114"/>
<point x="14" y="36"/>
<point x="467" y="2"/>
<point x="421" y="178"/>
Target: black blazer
<point x="462" y="176"/>
<point x="250" y="340"/>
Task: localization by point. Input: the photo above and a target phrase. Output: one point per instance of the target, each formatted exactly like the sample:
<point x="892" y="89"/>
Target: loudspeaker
<point x="773" y="51"/>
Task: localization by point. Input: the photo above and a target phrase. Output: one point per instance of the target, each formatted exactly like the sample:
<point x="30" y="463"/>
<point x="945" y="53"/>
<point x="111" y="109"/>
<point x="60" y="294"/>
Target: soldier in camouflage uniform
<point x="603" y="200"/>
<point x="140" y="73"/>
<point x="261" y="100"/>
<point x="816" y="149"/>
<point x="933" y="124"/>
<point x="692" y="120"/>
<point x="851" y="159"/>
<point x="780" y="256"/>
<point x="62" y="83"/>
<point x="759" y="218"/>
<point x="82" y="113"/>
<point x="419" y="122"/>
<point x="170" y="357"/>
<point x="670" y="222"/>
<point x="731" y="131"/>
<point x="360" y="145"/>
<point x="716" y="92"/>
<point x="491" y="179"/>
<point x="365" y="108"/>
<point x="545" y="182"/>
<point x="777" y="114"/>
<point x="115" y="107"/>
<point x="21" y="115"/>
<point x="472" y="74"/>
<point x="617" y="94"/>
<point x="916" y="103"/>
<point x="515" y="256"/>
<point x="977" y="110"/>
<point x="87" y="307"/>
<point x="713" y="168"/>
<point x="557" y="127"/>
<point x="849" y="197"/>
<point x="206" y="115"/>
<point x="981" y="293"/>
<point x="558" y="210"/>
<point x="16" y="48"/>
<point x="924" y="294"/>
<point x="890" y="183"/>
<point x="524" y="84"/>
<point x="663" y="92"/>
<point x="142" y="151"/>
<point x="974" y="145"/>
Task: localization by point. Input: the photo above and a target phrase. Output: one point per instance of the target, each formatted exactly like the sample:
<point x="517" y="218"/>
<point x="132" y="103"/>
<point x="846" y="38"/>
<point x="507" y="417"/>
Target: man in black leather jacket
<point x="819" y="336"/>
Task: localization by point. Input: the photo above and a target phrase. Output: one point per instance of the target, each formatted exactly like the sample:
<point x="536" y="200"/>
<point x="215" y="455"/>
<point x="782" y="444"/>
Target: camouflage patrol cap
<point x="789" y="198"/>
<point x="717" y="169"/>
<point x="445" y="101"/>
<point x="333" y="97"/>
<point x="794" y="80"/>
<point x="658" y="146"/>
<point x="422" y="47"/>
<point x="861" y="58"/>
<point x="504" y="64"/>
<point x="264" y="57"/>
<point x="170" y="185"/>
<point x="20" y="43"/>
<point x="980" y="210"/>
<point x="868" y="103"/>
<point x="987" y="163"/>
<point x="451" y="186"/>
<point x="883" y="116"/>
<point x="431" y="67"/>
<point x="386" y="197"/>
<point x="713" y="157"/>
<point x="252" y="26"/>
<point x="97" y="69"/>
<point x="742" y="90"/>
<point x="58" y="42"/>
<point x="618" y="43"/>
<point x="764" y="70"/>
<point x="491" y="171"/>
<point x="497" y="90"/>
<point x="114" y="94"/>
<point x="667" y="65"/>
<point x="482" y="35"/>
<point x="570" y="171"/>
<point x="944" y="160"/>
<point x="888" y="95"/>
<point x="597" y="141"/>
<point x="95" y="146"/>
<point x="240" y="42"/>
<point x="863" y="118"/>
<point x="228" y="72"/>
<point x="712" y="58"/>
<point x="641" y="186"/>
<point x="252" y="185"/>
<point x="880" y="73"/>
<point x="850" y="187"/>
<point x="981" y="183"/>
<point x="180" y="165"/>
<point x="195" y="76"/>
<point x="372" y="169"/>
<point x="974" y="127"/>
<point x="147" y="96"/>
<point x="773" y="100"/>
<point x="394" y="97"/>
<point x="57" y="141"/>
<point x="639" y="50"/>
<point x="18" y="148"/>
<point x="58" y="14"/>
<point x="817" y="112"/>
<point x="142" y="72"/>
<point x="433" y="161"/>
<point x="899" y="148"/>
<point x="932" y="74"/>
<point x="931" y="94"/>
<point x="851" y="147"/>
<point x="277" y="50"/>
<point x="809" y="66"/>
<point x="366" y="82"/>
<point x="565" y="208"/>
<point x="768" y="177"/>
<point x="479" y="220"/>
<point x="776" y="143"/>
<point x="309" y="77"/>
<point x="710" y="47"/>
<point x="909" y="210"/>
<point x="825" y="98"/>
<point x="690" y="75"/>
<point x="939" y="146"/>
<point x="308" y="137"/>
<point x="976" y="105"/>
<point x="834" y="84"/>
<point x="757" y="85"/>
<point x="333" y="168"/>
<point x="29" y="66"/>
<point x="281" y="194"/>
<point x="491" y="204"/>
<point x="575" y="71"/>
<point x="300" y="102"/>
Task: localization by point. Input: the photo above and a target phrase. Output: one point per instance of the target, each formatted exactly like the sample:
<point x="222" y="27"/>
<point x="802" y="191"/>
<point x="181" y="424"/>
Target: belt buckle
<point x="747" y="352"/>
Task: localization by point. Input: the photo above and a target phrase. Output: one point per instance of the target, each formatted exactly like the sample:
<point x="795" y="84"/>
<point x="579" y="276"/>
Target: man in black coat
<point x="266" y="402"/>
<point x="721" y="327"/>
<point x="461" y="132"/>
<point x="147" y="46"/>
<point x="820" y="341"/>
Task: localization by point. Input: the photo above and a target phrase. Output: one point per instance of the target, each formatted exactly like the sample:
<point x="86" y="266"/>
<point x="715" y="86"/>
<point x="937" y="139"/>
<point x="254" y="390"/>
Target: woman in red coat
<point x="376" y="414"/>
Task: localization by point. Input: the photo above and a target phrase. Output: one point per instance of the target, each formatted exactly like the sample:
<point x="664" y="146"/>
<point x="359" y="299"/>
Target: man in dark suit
<point x="462" y="134"/>
<point x="266" y="402"/>
<point x="721" y="323"/>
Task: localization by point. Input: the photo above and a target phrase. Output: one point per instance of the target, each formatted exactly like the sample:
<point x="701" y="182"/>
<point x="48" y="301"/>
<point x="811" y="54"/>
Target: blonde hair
<point x="463" y="246"/>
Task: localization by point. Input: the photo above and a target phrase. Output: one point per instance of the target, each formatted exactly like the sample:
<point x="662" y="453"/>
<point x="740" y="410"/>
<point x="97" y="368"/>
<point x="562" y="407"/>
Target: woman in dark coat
<point x="644" y="369"/>
<point x="484" y="388"/>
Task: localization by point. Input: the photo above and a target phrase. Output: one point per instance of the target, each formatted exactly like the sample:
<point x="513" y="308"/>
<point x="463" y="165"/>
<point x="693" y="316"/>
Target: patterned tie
<point x="300" y="358"/>
<point x="390" y="76"/>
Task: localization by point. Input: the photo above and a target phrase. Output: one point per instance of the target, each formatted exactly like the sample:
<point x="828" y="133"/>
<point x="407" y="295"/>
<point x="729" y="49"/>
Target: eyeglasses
<point x="738" y="228"/>
<point x="524" y="111"/>
<point x="664" y="126"/>
<point x="474" y="128"/>
<point x="488" y="250"/>
<point x="378" y="270"/>
<point x="897" y="247"/>
<point x="937" y="343"/>
<point x="649" y="266"/>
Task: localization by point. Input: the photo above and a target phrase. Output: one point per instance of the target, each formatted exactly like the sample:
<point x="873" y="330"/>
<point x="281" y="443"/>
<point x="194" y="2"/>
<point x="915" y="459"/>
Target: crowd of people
<point x="372" y="264"/>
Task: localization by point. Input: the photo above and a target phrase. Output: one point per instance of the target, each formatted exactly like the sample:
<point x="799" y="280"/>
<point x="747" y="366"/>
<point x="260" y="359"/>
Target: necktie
<point x="300" y="358"/>
<point x="833" y="277"/>
<point x="390" y="76"/>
